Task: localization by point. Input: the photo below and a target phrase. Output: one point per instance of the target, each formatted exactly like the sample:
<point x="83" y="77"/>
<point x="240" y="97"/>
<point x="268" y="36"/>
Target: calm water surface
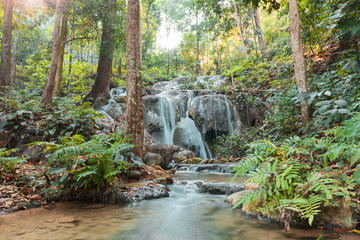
<point x="185" y="215"/>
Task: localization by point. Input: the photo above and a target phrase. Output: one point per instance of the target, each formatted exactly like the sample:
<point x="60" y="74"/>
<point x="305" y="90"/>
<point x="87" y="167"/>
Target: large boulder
<point x="214" y="115"/>
<point x="221" y="188"/>
<point x="166" y="152"/>
<point x="153" y="159"/>
<point x="336" y="217"/>
<point x="113" y="109"/>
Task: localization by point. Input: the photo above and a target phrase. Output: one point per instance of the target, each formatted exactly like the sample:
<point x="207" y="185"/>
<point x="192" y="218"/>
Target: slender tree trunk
<point x="100" y="89"/>
<point x="14" y="57"/>
<point x="148" y="31"/>
<point x="256" y="44"/>
<point x="5" y="68"/>
<point x="120" y="62"/>
<point x="70" y="62"/>
<point x="229" y="56"/>
<point x="81" y="54"/>
<point x="261" y="37"/>
<point x="240" y="31"/>
<point x="219" y="57"/>
<point x="168" y="63"/>
<point x="59" y="72"/>
<point x="134" y="124"/>
<point x="198" y="68"/>
<point x="299" y="59"/>
<point x="47" y="95"/>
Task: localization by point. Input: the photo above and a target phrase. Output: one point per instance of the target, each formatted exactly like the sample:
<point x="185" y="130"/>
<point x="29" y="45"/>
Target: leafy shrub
<point x="65" y="117"/>
<point x="235" y="145"/>
<point x="297" y="178"/>
<point x="8" y="162"/>
<point x="76" y="164"/>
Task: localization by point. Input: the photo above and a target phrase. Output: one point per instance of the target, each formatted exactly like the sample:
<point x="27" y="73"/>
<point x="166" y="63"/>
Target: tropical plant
<point x="76" y="164"/>
<point x="294" y="178"/>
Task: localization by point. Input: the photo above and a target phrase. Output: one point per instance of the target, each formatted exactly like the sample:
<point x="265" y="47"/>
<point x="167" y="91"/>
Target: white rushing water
<point x="169" y="112"/>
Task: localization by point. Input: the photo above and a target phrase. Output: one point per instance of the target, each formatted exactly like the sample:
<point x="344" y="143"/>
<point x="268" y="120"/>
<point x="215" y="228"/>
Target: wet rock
<point x="113" y="109"/>
<point x="132" y="174"/>
<point x="153" y="159"/>
<point x="235" y="197"/>
<point x="120" y="99"/>
<point x="221" y="188"/>
<point x="172" y="171"/>
<point x="336" y="217"/>
<point x="179" y="159"/>
<point x="136" y="161"/>
<point x="184" y="153"/>
<point x="105" y="125"/>
<point x="32" y="153"/>
<point x="160" y="181"/>
<point x="193" y="161"/>
<point x="135" y="194"/>
<point x="214" y="116"/>
<point x="166" y="151"/>
<point x="155" y="171"/>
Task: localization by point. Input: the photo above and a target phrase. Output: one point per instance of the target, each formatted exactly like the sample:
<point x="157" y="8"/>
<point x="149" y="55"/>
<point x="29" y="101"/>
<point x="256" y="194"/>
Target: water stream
<point x="185" y="215"/>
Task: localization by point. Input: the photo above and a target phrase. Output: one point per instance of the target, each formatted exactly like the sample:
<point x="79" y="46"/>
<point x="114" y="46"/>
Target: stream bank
<point x="185" y="214"/>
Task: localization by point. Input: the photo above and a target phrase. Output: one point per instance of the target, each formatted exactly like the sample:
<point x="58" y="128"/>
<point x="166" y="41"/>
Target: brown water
<point x="185" y="215"/>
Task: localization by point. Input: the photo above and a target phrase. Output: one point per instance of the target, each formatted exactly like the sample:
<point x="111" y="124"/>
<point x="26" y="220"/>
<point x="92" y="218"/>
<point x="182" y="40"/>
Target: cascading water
<point x="172" y="116"/>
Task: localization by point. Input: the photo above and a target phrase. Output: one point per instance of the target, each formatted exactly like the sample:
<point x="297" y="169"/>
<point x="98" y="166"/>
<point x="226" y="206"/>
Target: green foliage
<point x="68" y="119"/>
<point x="235" y="145"/>
<point x="8" y="160"/>
<point x="65" y="117"/>
<point x="76" y="164"/>
<point x="295" y="176"/>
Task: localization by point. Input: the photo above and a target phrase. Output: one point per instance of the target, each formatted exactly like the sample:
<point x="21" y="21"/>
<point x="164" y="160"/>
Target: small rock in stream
<point x="221" y="188"/>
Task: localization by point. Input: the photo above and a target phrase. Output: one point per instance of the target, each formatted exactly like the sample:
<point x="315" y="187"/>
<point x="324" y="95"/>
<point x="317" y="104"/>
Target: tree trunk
<point x="168" y="63"/>
<point x="100" y="89"/>
<point x="134" y="124"/>
<point x="256" y="45"/>
<point x="148" y="32"/>
<point x="70" y="62"/>
<point x="229" y="56"/>
<point x="197" y="48"/>
<point x="14" y="57"/>
<point x="5" y="68"/>
<point x="81" y="54"/>
<point x="47" y="95"/>
<point x="240" y="31"/>
<point x="261" y="38"/>
<point x="299" y="60"/>
<point x="59" y="72"/>
<point x="219" y="57"/>
<point x="120" y="61"/>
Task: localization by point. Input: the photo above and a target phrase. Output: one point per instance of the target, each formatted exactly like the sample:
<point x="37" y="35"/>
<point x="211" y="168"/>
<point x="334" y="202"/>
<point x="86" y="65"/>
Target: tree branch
<point x="79" y="38"/>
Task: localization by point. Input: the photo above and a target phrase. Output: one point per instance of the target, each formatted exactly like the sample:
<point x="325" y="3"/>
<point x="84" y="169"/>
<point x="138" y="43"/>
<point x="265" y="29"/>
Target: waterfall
<point x="167" y="113"/>
<point x="228" y="113"/>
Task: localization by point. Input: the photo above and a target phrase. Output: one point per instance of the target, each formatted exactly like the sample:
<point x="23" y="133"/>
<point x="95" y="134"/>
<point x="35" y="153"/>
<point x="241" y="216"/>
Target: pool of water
<point x="186" y="214"/>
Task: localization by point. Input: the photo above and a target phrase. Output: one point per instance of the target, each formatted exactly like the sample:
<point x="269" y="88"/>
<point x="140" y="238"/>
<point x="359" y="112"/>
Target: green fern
<point x="87" y="163"/>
